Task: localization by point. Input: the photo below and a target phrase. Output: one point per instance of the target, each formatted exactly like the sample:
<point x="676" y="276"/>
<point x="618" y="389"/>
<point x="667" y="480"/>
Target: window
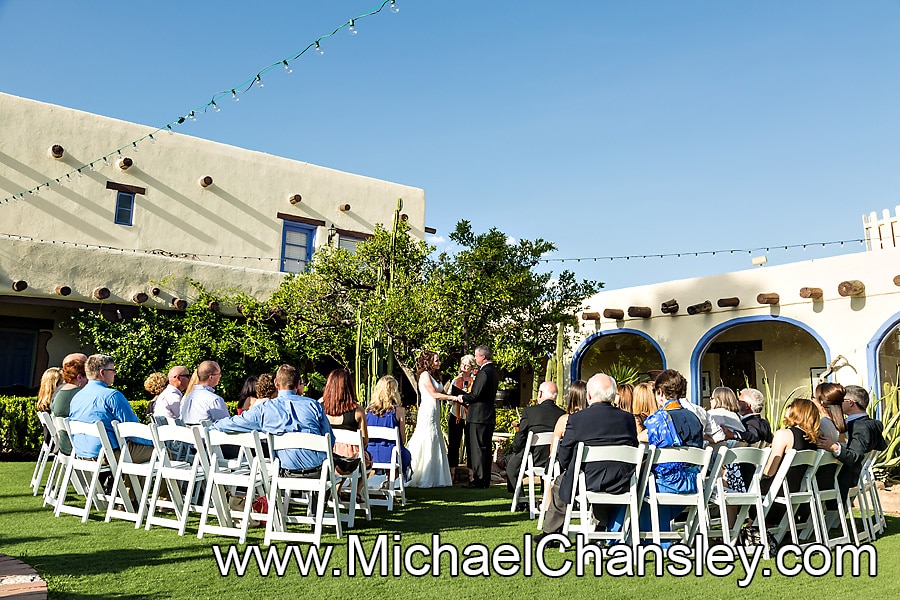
<point x="348" y="243"/>
<point x="296" y="247"/>
<point x="124" y="208"/>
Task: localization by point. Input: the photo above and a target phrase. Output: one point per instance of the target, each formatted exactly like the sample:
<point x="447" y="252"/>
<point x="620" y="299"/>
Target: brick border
<point x="18" y="580"/>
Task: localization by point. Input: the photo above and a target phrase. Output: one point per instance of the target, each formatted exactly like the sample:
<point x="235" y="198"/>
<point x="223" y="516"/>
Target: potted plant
<point x="504" y="390"/>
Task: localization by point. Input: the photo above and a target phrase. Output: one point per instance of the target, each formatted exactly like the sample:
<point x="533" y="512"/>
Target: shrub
<point x="20" y="430"/>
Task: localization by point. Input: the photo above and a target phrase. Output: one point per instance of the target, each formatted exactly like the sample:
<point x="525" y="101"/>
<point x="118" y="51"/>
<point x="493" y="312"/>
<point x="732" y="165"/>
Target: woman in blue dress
<point x="385" y="411"/>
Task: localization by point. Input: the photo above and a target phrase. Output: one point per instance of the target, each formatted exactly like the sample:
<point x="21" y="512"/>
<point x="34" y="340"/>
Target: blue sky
<point x="610" y="128"/>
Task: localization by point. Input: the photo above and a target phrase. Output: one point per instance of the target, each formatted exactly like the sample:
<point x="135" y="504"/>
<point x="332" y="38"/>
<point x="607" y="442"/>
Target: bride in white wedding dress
<point x="429" y="454"/>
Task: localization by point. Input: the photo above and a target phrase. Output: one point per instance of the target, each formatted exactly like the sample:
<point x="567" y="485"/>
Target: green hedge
<point x="20" y="430"/>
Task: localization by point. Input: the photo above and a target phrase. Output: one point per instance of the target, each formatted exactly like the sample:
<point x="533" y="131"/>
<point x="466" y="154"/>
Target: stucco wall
<point x="844" y="325"/>
<point x="236" y="216"/>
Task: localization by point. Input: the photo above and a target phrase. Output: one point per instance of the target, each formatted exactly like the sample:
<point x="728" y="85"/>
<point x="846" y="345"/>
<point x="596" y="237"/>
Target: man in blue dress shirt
<point x="287" y="412"/>
<point x="96" y="401"/>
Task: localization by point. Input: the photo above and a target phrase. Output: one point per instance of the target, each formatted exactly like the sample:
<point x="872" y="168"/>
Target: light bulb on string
<point x="259" y="82"/>
<point x="234" y="96"/>
<point x="192" y="117"/>
<point x="352" y="29"/>
<point x="80" y="174"/>
<point x="105" y="161"/>
<point x="134" y="146"/>
<point x="169" y="129"/>
<point x="319" y="50"/>
<point x="91" y="167"/>
<point x="152" y="139"/>
<point x="216" y="106"/>
<point x="394" y="8"/>
<point x="287" y="67"/>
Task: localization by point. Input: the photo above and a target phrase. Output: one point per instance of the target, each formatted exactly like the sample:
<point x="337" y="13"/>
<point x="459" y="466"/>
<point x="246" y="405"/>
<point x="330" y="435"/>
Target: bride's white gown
<point x="429" y="455"/>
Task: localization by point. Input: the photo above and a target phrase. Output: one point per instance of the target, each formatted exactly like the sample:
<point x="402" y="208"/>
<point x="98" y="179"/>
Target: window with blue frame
<point x="296" y="247"/>
<point x="124" y="208"/>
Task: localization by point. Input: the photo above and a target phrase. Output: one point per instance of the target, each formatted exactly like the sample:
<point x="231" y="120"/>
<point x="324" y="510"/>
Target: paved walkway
<point x="18" y="580"/>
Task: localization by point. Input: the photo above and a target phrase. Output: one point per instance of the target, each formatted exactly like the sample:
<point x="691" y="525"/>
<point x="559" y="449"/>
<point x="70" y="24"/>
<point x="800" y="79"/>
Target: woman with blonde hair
<point x="154" y="385"/>
<point x="643" y="404"/>
<point x="625" y="396"/>
<point x="725" y="409"/>
<point x="800" y="432"/>
<point x="50" y="380"/>
<point x="385" y="410"/>
<point x="456" y="416"/>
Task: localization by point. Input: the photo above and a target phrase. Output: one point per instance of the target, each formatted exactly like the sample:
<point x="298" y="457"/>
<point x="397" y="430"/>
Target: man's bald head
<point x="548" y="391"/>
<point x="601" y="388"/>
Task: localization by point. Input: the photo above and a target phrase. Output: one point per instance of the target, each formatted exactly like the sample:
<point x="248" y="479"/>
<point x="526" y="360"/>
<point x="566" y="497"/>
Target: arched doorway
<point x="884" y="355"/>
<point x="618" y="351"/>
<point x="779" y="356"/>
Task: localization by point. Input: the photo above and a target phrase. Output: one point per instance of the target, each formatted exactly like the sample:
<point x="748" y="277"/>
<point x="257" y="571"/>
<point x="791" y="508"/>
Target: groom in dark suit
<point x="482" y="417"/>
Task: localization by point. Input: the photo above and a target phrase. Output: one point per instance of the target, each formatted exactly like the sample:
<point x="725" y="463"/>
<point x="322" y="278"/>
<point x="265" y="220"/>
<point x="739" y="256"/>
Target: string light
<point x="243" y="88"/>
<point x="259" y="82"/>
<point x="352" y="29"/>
<point x="216" y="106"/>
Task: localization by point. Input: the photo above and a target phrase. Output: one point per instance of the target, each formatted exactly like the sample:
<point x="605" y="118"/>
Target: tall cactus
<point x="379" y="350"/>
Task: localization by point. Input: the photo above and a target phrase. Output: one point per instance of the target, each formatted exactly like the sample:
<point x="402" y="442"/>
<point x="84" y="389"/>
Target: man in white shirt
<point x="203" y="403"/>
<point x="168" y="403"/>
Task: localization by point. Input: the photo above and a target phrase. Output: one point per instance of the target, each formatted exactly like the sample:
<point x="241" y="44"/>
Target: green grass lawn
<point x="113" y="560"/>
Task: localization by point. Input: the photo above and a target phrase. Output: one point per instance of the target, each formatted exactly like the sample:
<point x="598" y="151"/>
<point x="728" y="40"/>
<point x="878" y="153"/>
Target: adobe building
<point x="781" y="327"/>
<point x="105" y="213"/>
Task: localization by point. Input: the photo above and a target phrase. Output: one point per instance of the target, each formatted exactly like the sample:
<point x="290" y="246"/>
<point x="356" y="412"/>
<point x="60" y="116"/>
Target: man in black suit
<point x="482" y="417"/>
<point x="864" y="434"/>
<point x="600" y="424"/>
<point x="538" y="418"/>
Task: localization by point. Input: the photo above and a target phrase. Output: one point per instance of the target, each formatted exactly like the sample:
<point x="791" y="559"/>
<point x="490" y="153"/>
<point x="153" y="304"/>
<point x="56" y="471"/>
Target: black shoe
<point x="521" y="507"/>
<point x="540" y="537"/>
<point x="474" y="486"/>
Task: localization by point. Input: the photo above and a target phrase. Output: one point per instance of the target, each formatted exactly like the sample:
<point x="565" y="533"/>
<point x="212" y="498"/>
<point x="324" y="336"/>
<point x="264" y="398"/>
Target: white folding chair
<point x="825" y="490"/>
<point x="585" y="499"/>
<point x="727" y="499"/>
<point x="140" y="475"/>
<point x="47" y="454"/>
<point x="551" y="472"/>
<point x="709" y="484"/>
<point x="531" y="471"/>
<point x="177" y="450"/>
<point x="226" y="477"/>
<point x="385" y="489"/>
<point x="700" y="459"/>
<point x="356" y="483"/>
<point x="175" y="474"/>
<point x="89" y="469"/>
<point x="868" y="499"/>
<point x="60" y="464"/>
<point x="807" y="461"/>
<point x="311" y="492"/>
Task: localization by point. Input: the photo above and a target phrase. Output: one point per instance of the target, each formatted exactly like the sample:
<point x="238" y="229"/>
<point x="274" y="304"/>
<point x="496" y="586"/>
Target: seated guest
<point x="74" y="379"/>
<point x="343" y="412"/>
<point x="257" y="389"/>
<point x="540" y="417"/>
<point x="624" y="397"/>
<point x="50" y="380"/>
<point x="756" y="428"/>
<point x="385" y="411"/>
<point x="96" y="401"/>
<point x="154" y="385"/>
<point x="726" y="411"/>
<point x="287" y="412"/>
<point x="247" y="395"/>
<point x="600" y="424"/>
<point x="202" y="403"/>
<point x="800" y="432"/>
<point x="864" y="434"/>
<point x="671" y="478"/>
<point x="168" y="403"/>
<point x="829" y="398"/>
<point x="576" y="400"/>
<point x="643" y="404"/>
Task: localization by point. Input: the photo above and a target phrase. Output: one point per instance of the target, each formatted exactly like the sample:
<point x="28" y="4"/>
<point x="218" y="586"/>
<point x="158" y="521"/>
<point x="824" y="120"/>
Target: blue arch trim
<point x="582" y="348"/>
<point x="710" y="335"/>
<point x="872" y="352"/>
